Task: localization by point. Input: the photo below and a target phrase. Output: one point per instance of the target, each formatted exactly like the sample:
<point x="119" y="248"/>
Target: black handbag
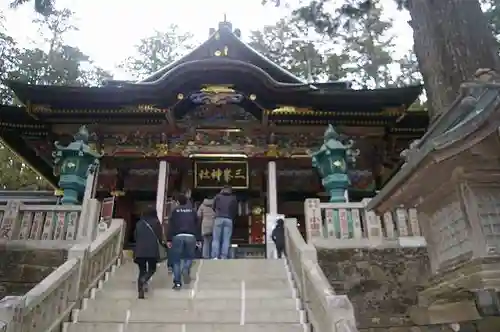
<point x="162" y="250"/>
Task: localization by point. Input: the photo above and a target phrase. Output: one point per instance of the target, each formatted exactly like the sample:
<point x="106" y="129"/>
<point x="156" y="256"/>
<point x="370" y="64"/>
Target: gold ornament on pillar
<point x="272" y="150"/>
<point x="257" y="211"/>
<point x="117" y="193"/>
<point x="161" y="150"/>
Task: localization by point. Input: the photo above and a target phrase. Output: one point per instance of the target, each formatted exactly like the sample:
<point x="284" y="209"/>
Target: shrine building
<point x="221" y="115"/>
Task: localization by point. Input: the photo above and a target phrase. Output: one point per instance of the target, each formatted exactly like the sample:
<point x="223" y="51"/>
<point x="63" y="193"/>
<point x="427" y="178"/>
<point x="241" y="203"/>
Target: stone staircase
<point x="244" y="295"/>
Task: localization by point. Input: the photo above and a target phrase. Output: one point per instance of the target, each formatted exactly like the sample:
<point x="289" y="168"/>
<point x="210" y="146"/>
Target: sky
<point x="109" y="29"/>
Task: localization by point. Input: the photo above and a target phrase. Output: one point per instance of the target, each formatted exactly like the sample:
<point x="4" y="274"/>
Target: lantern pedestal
<point x="336" y="185"/>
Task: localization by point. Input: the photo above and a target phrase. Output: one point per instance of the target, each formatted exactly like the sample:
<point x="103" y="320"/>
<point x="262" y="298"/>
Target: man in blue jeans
<point x="226" y="208"/>
<point x="184" y="234"/>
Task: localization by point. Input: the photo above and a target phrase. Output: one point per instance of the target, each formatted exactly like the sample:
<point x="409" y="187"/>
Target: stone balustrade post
<point x="87" y="226"/>
<point x="342" y="313"/>
<point x="10" y="223"/>
<point x="80" y="252"/>
<point x="313" y="219"/>
<point x="373" y="227"/>
<point x="307" y="254"/>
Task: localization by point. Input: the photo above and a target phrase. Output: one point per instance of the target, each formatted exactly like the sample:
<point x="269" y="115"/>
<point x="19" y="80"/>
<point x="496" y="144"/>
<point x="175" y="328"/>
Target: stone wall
<point x="382" y="283"/>
<point x="23" y="264"/>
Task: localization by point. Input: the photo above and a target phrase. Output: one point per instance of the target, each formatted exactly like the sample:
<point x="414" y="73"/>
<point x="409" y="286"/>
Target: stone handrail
<point x="326" y="311"/>
<point x="353" y="223"/>
<point x="20" y="221"/>
<point x="102" y="254"/>
<point x="50" y="302"/>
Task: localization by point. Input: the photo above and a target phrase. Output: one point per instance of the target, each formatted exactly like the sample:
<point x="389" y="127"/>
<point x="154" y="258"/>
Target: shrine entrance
<point x="210" y="175"/>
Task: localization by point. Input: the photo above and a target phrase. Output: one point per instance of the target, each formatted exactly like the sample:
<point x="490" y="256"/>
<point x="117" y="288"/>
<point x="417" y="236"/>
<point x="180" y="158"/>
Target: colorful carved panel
<point x="133" y="144"/>
<point x="296" y="143"/>
<point x="218" y="141"/>
<point x="216" y="115"/>
<point x="362" y="180"/>
<point x="202" y="136"/>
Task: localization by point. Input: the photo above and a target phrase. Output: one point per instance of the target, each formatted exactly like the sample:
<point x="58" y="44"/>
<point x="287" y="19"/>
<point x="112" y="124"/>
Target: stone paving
<point x="244" y="295"/>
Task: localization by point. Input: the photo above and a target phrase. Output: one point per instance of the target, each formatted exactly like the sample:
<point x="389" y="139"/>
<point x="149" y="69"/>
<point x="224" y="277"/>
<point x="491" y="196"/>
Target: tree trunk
<point x="452" y="40"/>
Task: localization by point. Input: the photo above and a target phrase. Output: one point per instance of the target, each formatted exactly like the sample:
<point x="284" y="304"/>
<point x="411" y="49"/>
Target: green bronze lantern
<point x="74" y="163"/>
<point x="331" y="161"/>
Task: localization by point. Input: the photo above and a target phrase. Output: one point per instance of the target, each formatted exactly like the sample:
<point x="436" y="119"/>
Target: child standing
<point x="278" y="236"/>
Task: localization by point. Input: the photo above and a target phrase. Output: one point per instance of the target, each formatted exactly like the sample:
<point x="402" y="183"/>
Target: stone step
<point x="242" y="275"/>
<point x="185" y="293"/>
<point x="154" y="327"/>
<point x="203" y="284"/>
<point x="215" y="270"/>
<point x="231" y="269"/>
<point x="206" y="315"/>
<point x="156" y="283"/>
<point x="239" y="284"/>
<point x="192" y="304"/>
<point x="243" y="264"/>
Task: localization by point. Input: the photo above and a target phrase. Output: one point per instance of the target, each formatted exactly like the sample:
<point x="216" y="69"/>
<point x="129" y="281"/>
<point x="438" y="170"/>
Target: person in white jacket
<point x="206" y="215"/>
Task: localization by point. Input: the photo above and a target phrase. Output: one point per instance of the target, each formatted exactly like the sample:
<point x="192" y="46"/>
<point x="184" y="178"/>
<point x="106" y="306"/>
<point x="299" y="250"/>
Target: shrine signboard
<point x="210" y="174"/>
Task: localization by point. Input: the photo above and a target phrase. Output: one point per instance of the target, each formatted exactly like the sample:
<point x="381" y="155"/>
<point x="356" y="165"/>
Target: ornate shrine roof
<point x="223" y="60"/>
<point x="223" y="71"/>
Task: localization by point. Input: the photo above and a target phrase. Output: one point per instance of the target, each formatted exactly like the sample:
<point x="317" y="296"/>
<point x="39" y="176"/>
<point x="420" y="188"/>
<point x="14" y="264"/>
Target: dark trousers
<point x="183" y="252"/>
<point x="280" y="251"/>
<point x="170" y="263"/>
<point x="147" y="267"/>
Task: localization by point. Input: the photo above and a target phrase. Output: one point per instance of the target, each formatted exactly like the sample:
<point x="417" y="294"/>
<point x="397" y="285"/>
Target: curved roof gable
<point x="227" y="39"/>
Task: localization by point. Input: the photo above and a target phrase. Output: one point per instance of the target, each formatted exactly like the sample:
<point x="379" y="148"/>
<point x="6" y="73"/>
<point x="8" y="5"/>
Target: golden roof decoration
<point x="41" y="108"/>
<point x="291" y="110"/>
<point x="217" y="89"/>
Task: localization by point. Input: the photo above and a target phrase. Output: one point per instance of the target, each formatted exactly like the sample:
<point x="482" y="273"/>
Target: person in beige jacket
<point x="206" y="214"/>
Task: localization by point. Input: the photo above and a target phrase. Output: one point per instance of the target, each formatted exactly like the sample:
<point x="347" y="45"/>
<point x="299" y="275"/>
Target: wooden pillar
<point x="161" y="193"/>
<point x="272" y="191"/>
<point x="123" y="203"/>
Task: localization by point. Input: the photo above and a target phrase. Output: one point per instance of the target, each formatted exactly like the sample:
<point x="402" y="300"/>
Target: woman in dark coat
<point x="148" y="232"/>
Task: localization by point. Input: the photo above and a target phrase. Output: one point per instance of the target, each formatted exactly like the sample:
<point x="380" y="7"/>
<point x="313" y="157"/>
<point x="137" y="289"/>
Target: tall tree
<point x="288" y="44"/>
<point x="452" y="39"/>
<point x="409" y="72"/>
<point x="491" y="9"/>
<point x="17" y="175"/>
<point x="44" y="7"/>
<point x="368" y="40"/>
<point x="157" y="51"/>
<point x="8" y="61"/>
<point x="58" y="64"/>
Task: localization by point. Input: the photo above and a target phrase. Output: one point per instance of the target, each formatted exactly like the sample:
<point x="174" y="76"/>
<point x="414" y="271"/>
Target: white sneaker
<point x="215" y="258"/>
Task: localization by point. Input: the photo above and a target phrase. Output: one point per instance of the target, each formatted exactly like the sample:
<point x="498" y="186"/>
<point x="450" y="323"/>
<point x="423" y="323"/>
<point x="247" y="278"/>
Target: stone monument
<point x="74" y="163"/>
